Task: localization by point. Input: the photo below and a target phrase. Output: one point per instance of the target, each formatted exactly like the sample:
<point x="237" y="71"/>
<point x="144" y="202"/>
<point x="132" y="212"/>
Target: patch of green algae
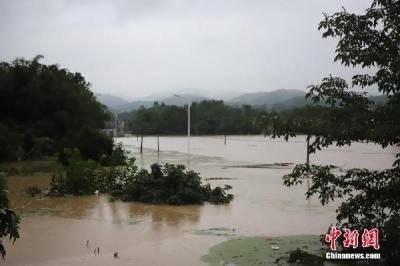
<point x="262" y="251"/>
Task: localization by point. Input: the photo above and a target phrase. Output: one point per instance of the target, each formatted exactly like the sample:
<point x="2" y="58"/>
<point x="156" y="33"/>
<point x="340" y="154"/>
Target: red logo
<point x="370" y="238"/>
<point x="350" y="238"/>
<point x="332" y="237"/>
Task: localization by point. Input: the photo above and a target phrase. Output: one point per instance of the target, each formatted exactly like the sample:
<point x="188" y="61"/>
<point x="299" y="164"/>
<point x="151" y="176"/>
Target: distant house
<point x="114" y="128"/>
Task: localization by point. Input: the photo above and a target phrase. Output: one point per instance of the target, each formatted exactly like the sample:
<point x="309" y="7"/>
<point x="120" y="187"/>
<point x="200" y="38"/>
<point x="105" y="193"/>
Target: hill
<point x="111" y="101"/>
<point x="278" y="100"/>
<point x="117" y="104"/>
<point x="267" y="99"/>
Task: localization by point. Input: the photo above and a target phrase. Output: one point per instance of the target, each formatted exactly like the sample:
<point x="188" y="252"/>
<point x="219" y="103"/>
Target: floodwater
<point x="54" y="231"/>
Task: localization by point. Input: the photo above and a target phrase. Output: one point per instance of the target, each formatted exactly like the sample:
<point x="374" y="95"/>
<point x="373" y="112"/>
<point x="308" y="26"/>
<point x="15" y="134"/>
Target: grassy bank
<point x="264" y="251"/>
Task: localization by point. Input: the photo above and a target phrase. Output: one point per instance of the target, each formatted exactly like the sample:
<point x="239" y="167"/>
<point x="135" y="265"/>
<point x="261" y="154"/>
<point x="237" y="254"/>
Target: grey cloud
<point x="141" y="47"/>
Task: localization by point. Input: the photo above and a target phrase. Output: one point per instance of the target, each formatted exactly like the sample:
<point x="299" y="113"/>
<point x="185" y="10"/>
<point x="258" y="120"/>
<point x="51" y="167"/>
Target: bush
<point x="43" y="147"/>
<point x="172" y="185"/>
<point x="118" y="156"/>
<point x="33" y="191"/>
<point x="9" y="220"/>
<point x="169" y="184"/>
<point x="92" y="143"/>
<point x="8" y="143"/>
<point x="78" y="177"/>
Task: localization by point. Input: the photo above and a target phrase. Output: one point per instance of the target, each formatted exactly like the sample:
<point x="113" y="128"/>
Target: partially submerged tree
<point x="167" y="184"/>
<point x="371" y="199"/>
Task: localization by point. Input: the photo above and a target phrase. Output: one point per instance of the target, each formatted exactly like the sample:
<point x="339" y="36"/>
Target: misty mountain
<point x="130" y="106"/>
<point x="117" y="104"/>
<point x="267" y="99"/>
<point x="278" y="100"/>
<point x="111" y="101"/>
<point x="222" y="94"/>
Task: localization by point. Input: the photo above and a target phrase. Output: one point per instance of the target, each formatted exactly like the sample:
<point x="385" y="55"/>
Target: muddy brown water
<point x="54" y="231"/>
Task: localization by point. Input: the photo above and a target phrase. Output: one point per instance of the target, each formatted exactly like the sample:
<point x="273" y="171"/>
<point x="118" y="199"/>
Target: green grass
<point x="258" y="250"/>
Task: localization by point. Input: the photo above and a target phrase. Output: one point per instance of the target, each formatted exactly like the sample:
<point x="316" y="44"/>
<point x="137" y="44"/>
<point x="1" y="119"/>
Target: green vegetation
<point x="208" y="118"/>
<point x="371" y="198"/>
<point x="44" y="108"/>
<point x="118" y="156"/>
<point x="268" y="251"/>
<point x="33" y="191"/>
<point x="78" y="177"/>
<point x="170" y="184"/>
<point x="167" y="184"/>
<point x="9" y="220"/>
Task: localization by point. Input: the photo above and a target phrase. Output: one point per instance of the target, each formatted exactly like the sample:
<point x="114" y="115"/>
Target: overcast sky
<point x="141" y="47"/>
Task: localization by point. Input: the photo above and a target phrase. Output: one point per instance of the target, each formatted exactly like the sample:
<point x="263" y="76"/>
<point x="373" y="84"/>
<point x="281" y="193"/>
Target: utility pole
<point x="308" y="149"/>
<point x="188" y="135"/>
<point x="115" y="125"/>
<point x="141" y="145"/>
<point x="308" y="162"/>
<point x="158" y="145"/>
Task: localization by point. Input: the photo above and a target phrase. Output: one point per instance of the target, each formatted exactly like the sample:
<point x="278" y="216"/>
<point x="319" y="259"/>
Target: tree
<point x="38" y="102"/>
<point x="8" y="219"/>
<point x="371" y="199"/>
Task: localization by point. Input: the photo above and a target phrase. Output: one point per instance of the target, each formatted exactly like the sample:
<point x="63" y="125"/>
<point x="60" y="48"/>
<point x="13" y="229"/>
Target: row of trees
<point x="208" y="118"/>
<point x="213" y="117"/>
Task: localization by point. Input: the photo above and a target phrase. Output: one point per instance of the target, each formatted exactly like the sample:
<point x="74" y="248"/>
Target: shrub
<point x="119" y="156"/>
<point x="172" y="185"/>
<point x="92" y="143"/>
<point x="79" y="176"/>
<point x="33" y="191"/>
<point x="43" y="147"/>
<point x="9" y="220"/>
<point x="168" y="184"/>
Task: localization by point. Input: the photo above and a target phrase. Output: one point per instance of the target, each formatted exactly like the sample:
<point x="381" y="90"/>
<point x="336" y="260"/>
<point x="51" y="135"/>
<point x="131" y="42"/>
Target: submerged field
<point x="54" y="231"/>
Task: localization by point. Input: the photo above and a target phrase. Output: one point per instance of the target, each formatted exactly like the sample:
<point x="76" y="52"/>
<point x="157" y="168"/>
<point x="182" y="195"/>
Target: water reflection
<point x="128" y="212"/>
<point x="98" y="208"/>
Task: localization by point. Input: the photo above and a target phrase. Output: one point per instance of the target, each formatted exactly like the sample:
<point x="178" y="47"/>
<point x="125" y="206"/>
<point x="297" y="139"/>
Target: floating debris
<point x="274" y="247"/>
<point x="219" y="231"/>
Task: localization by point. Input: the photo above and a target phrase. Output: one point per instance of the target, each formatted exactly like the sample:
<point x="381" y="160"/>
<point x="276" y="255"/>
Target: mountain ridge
<point x="262" y="99"/>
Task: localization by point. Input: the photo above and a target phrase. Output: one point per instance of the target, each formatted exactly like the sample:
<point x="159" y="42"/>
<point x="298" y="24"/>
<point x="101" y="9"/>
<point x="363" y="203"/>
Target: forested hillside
<point x="44" y="108"/>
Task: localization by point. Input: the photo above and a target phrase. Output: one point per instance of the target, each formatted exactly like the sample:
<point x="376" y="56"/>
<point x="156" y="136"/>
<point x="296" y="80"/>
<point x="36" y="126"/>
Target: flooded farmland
<point x="54" y="231"/>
